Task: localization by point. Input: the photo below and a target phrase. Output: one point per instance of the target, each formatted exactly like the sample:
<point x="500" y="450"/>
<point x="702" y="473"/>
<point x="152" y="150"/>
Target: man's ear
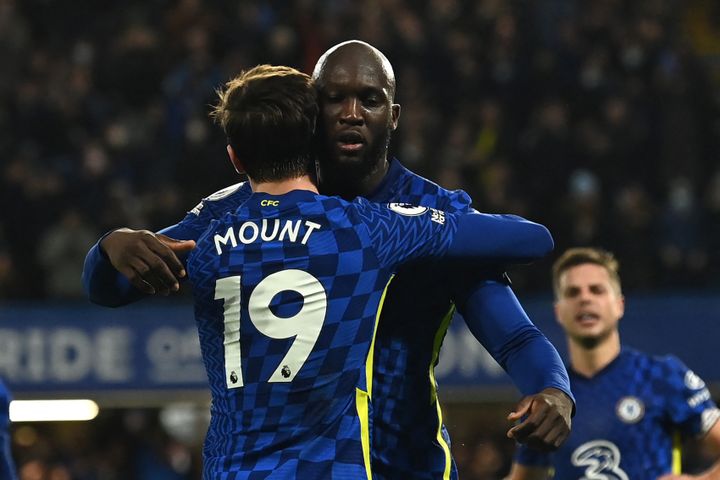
<point x="235" y="160"/>
<point x="395" y="115"/>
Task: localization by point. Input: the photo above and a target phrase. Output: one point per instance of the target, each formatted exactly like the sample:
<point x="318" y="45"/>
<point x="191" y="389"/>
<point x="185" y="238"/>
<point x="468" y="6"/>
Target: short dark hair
<point x="269" y="114"/>
<point x="580" y="256"/>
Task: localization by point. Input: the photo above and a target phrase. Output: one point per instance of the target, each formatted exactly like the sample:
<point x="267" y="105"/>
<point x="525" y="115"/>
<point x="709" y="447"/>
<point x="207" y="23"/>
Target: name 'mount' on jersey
<point x="267" y="231"/>
<point x="287" y="293"/>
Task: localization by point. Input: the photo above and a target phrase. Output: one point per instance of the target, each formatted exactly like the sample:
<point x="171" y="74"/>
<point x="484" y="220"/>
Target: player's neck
<point x="348" y="185"/>
<point x="284" y="186"/>
<point x="589" y="361"/>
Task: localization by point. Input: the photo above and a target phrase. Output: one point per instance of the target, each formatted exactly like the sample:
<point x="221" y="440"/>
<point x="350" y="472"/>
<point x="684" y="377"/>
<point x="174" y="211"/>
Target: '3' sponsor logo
<point x="601" y="460"/>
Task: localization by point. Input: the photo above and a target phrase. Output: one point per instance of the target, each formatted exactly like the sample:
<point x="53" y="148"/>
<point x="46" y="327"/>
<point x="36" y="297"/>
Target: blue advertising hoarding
<point x="153" y="346"/>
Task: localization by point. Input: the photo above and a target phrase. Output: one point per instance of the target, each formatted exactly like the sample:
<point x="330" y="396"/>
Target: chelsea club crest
<point x="630" y="409"/>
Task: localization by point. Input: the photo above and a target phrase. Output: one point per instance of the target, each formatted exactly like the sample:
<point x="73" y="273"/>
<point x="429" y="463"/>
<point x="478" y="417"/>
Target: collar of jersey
<point x="624" y="352"/>
<point x="285" y="200"/>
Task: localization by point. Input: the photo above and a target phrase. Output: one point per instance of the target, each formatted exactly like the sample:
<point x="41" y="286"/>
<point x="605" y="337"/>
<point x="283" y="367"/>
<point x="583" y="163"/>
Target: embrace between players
<point x="319" y="365"/>
<point x="321" y="317"/>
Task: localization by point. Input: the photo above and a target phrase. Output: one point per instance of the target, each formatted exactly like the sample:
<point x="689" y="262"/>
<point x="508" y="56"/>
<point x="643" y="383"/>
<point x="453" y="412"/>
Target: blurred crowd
<point x="165" y="444"/>
<point x="600" y="119"/>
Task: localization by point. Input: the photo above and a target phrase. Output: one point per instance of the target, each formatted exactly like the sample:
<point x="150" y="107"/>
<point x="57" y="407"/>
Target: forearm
<point x="503" y="239"/>
<point x="103" y="284"/>
<point x="496" y="318"/>
<point x="110" y="286"/>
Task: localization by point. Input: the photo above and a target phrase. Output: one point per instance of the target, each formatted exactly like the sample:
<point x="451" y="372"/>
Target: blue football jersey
<point x="287" y="293"/>
<point x="409" y="437"/>
<point x="628" y="418"/>
<point x="7" y="466"/>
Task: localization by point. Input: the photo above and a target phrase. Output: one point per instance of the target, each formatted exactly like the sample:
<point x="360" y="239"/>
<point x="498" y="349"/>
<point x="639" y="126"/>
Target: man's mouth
<point x="350" y="141"/>
<point x="587" y="318"/>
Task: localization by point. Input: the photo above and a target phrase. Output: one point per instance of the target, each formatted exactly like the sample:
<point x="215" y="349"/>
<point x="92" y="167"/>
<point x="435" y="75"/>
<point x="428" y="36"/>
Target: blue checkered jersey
<point x="409" y="438"/>
<point x="287" y="290"/>
<point x="7" y="466"/>
<point x="628" y="418"/>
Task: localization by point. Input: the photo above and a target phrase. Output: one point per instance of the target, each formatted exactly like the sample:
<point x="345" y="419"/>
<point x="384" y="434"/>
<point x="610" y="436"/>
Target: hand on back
<point x="148" y="260"/>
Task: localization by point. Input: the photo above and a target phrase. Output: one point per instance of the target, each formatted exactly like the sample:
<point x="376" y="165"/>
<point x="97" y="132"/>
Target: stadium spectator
<point x="592" y="85"/>
<point x="632" y="407"/>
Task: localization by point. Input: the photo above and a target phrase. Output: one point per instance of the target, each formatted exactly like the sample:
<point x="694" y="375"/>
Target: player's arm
<point x="530" y="464"/>
<point x="498" y="321"/>
<point x="711" y="441"/>
<point x="126" y="265"/>
<point x="523" y="472"/>
<point x="403" y="234"/>
<point x="692" y="410"/>
<point x="502" y="239"/>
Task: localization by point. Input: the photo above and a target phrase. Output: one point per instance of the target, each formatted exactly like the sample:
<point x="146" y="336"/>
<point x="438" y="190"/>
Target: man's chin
<point x="346" y="163"/>
<point x="590" y="341"/>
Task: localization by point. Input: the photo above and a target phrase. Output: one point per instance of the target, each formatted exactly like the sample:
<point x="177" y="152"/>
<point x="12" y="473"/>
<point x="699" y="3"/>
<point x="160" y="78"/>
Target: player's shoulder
<point x="664" y="369"/>
<point x="643" y="360"/>
<point x="224" y="200"/>
<point x="415" y="189"/>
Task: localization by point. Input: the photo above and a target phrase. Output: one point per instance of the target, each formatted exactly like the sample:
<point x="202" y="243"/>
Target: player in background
<point x="358" y="115"/>
<point x="631" y="406"/>
<point x="7" y="466"/>
<point x="288" y="289"/>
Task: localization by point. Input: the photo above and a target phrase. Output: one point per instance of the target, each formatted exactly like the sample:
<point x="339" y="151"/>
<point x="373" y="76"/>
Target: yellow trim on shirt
<point x="362" y="398"/>
<point x="371" y="353"/>
<point x="437" y="343"/>
<point x="362" y="402"/>
<point x="677" y="454"/>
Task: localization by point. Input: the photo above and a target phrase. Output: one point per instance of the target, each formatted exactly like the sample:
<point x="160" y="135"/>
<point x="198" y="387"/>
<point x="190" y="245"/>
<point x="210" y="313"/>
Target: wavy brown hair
<point x="580" y="256"/>
<point x="269" y="114"/>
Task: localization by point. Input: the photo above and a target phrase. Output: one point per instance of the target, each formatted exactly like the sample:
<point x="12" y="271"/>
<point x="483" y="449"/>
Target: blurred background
<point x="600" y="119"/>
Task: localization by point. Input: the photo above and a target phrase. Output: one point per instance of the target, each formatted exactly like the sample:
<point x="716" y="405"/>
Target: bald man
<point x="358" y="114"/>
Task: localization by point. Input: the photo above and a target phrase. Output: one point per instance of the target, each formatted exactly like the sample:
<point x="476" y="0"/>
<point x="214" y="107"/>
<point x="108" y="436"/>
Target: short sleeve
<point x="690" y="405"/>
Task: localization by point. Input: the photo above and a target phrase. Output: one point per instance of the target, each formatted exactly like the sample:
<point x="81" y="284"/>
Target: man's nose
<point x="584" y="295"/>
<point x="351" y="111"/>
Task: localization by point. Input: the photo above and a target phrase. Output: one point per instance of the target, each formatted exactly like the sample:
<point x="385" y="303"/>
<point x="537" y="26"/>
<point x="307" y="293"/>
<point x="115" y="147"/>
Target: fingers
<point x="148" y="273"/>
<point x="533" y="425"/>
<point x="136" y="280"/>
<point x="165" y="265"/>
<point x="148" y="260"/>
<point x="522" y="408"/>
<point x="177" y="246"/>
<point x="542" y="427"/>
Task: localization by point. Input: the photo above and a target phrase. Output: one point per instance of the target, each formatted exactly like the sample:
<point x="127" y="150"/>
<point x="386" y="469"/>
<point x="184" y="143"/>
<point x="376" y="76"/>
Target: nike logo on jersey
<point x="265" y="231"/>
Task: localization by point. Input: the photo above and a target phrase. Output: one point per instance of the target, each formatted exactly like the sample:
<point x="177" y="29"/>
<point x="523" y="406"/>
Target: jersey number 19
<point x="305" y="325"/>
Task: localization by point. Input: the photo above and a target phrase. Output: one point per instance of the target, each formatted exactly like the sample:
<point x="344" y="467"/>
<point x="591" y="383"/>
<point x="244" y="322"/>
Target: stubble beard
<point x="345" y="172"/>
<point x="591" y="342"/>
